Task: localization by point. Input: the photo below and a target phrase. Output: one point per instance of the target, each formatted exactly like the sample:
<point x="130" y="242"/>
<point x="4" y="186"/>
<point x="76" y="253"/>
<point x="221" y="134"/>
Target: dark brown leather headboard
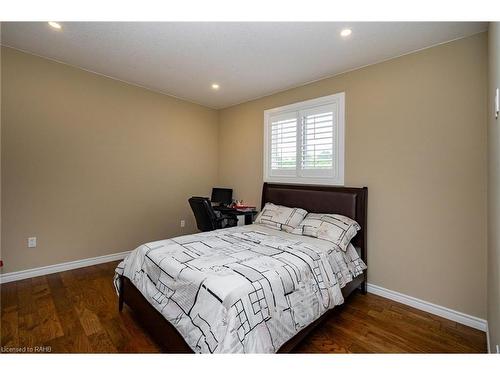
<point x="347" y="201"/>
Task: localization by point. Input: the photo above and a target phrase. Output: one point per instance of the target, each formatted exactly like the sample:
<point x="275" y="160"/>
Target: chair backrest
<point x="204" y="213"/>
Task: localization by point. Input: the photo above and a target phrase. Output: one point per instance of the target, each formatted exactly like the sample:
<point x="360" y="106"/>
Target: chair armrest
<point x="228" y="217"/>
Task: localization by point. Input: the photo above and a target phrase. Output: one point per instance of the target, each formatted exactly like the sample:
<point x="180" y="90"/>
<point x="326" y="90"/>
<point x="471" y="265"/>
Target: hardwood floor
<point x="76" y="311"/>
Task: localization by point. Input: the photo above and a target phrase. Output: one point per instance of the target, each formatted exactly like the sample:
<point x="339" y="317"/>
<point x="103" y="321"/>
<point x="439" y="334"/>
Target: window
<point x="304" y="142"/>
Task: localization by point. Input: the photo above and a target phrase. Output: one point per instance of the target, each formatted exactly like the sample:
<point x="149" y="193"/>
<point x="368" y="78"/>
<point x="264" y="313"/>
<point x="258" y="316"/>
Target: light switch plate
<point x="497" y="102"/>
<point x="31" y="241"/>
<point x="183" y="223"/>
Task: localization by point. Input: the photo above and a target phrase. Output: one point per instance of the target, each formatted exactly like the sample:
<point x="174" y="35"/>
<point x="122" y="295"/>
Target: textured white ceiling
<point x="248" y="60"/>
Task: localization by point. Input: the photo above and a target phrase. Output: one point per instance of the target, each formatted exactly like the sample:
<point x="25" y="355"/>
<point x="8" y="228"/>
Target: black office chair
<point x="206" y="217"/>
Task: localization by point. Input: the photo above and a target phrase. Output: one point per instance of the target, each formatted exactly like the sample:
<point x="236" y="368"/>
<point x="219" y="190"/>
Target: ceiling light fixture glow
<point x="345" y="32"/>
<point x="215" y="86"/>
<point x="55" y="25"/>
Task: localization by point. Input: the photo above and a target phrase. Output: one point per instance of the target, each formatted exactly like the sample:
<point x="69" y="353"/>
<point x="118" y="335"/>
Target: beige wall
<point x="93" y="166"/>
<point x="416" y="136"/>
<point x="494" y="191"/>
<point x="1" y="258"/>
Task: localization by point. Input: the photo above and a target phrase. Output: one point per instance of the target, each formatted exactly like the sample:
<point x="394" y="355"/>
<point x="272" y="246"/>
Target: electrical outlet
<point x="183" y="223"/>
<point x="31" y="241"/>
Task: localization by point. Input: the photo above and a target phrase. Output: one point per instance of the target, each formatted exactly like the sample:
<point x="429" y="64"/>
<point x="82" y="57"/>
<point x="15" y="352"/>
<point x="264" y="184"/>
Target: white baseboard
<point x="429" y="307"/>
<point x="40" y="271"/>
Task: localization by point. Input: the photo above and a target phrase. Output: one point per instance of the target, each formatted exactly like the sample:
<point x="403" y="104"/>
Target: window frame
<point x="338" y="100"/>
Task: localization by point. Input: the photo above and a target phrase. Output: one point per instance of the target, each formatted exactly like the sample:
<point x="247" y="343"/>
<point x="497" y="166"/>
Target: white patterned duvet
<point x="241" y="290"/>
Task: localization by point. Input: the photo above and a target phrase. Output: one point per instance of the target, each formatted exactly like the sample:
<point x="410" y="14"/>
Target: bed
<point x="248" y="289"/>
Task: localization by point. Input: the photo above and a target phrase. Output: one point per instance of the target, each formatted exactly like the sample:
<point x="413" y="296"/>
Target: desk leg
<point x="248" y="219"/>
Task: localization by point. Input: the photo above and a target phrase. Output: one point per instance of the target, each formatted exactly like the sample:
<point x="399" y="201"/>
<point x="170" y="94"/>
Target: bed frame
<point x="347" y="201"/>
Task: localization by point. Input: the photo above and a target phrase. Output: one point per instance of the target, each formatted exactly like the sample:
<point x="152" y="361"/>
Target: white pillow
<point x="281" y="217"/>
<point x="331" y="227"/>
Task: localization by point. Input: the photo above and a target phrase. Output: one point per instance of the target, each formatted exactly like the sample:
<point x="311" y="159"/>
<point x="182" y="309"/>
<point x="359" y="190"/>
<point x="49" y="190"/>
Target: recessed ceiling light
<point x="345" y="32"/>
<point x="215" y="86"/>
<point x="55" y="25"/>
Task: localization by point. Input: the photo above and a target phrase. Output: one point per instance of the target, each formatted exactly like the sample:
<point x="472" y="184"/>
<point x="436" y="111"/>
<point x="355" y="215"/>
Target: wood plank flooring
<point x="76" y="312"/>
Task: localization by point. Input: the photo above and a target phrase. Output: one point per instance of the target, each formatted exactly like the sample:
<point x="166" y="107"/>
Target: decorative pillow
<point x="281" y="217"/>
<point x="331" y="227"/>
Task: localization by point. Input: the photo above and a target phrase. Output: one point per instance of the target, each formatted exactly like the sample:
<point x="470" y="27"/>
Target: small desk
<point x="231" y="211"/>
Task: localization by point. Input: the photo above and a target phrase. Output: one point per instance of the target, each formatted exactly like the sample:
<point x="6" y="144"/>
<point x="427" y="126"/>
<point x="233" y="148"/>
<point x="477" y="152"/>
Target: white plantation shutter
<point x="304" y="142"/>
<point x="317" y="146"/>
<point x="283" y="144"/>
